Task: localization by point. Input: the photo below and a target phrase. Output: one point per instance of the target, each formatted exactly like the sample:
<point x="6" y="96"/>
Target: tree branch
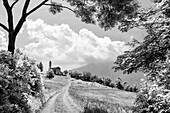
<point x="23" y="17"/>
<point x="4" y="27"/>
<point x="37" y="7"/>
<point x="10" y="15"/>
<point x="27" y="2"/>
<point x="14" y="3"/>
<point x="19" y="25"/>
<point x="6" y="4"/>
<point x="62" y="7"/>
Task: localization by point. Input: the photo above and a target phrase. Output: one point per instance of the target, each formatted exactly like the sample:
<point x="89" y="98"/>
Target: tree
<point x="118" y="84"/>
<point x="65" y="72"/>
<point x="50" y="74"/>
<point x="146" y="55"/>
<point x="107" y="13"/>
<point x="18" y="83"/>
<point x="40" y="66"/>
<point x="150" y="56"/>
<point x="107" y="81"/>
<point x="86" y="76"/>
<point x="50" y="64"/>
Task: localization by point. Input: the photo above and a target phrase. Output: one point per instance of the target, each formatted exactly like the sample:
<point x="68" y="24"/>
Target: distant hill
<point x="105" y="70"/>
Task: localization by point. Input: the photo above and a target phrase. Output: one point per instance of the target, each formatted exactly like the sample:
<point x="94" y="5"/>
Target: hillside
<point x="68" y="95"/>
<point x="112" y="99"/>
<point x="105" y="70"/>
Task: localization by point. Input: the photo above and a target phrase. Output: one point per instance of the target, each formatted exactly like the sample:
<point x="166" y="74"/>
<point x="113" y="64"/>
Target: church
<point x="56" y="70"/>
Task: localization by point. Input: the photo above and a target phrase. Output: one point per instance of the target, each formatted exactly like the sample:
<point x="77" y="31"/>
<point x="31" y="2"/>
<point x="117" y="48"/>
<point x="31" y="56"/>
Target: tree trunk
<point x="11" y="42"/>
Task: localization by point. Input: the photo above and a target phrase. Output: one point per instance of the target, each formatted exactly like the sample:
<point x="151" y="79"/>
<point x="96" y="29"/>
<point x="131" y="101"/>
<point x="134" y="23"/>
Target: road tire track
<point x="62" y="98"/>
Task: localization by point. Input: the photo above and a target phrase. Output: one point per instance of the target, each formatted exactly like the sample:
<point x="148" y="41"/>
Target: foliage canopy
<point x="107" y="13"/>
<point x="150" y="56"/>
<point x="18" y="80"/>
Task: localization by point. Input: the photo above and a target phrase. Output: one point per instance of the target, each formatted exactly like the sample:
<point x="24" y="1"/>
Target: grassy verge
<point x="53" y="85"/>
<point x="110" y="100"/>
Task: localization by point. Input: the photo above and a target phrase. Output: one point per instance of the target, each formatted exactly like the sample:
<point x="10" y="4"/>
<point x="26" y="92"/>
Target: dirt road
<point x="59" y="103"/>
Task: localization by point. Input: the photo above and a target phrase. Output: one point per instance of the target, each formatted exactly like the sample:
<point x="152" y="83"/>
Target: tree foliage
<point x="146" y="54"/>
<point x="18" y="80"/>
<point x="65" y="72"/>
<point x="50" y="74"/>
<point x="107" y="13"/>
<point x="40" y="66"/>
<point x="150" y="56"/>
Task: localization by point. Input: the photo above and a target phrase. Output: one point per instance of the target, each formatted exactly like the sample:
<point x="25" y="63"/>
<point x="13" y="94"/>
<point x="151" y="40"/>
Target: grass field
<point x="113" y="100"/>
<point x="53" y="85"/>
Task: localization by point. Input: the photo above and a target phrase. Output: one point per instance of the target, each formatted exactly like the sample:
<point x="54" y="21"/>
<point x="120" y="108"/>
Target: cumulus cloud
<point x="63" y="46"/>
<point x="3" y="41"/>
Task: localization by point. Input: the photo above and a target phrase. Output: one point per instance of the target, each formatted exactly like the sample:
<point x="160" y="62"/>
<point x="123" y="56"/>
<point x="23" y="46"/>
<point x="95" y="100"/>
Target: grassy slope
<point x="83" y="92"/>
<point x="53" y="85"/>
<point x="112" y="99"/>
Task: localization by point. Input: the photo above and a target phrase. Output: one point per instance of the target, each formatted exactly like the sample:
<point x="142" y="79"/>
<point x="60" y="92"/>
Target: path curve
<point x="65" y="99"/>
<point x="50" y="105"/>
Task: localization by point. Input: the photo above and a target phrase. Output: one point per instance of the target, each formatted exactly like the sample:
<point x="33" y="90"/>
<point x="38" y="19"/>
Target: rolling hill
<point x="105" y="70"/>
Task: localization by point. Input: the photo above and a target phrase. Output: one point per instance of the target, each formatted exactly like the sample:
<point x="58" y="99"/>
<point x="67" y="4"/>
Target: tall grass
<point x="94" y="108"/>
<point x="94" y="105"/>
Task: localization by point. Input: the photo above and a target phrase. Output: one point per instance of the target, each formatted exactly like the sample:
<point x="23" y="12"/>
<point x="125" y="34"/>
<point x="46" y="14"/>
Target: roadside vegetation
<point x="19" y="82"/>
<point x="50" y="74"/>
<point x="95" y="97"/>
<point x="51" y="86"/>
<point x="87" y="76"/>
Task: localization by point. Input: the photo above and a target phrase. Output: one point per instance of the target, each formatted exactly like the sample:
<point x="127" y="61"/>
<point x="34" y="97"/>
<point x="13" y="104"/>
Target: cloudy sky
<point x="65" y="40"/>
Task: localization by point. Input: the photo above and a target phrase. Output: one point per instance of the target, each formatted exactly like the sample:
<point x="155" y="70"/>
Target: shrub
<point x="86" y="76"/>
<point x="135" y="88"/>
<point x="107" y="81"/>
<point x="112" y="85"/>
<point x="17" y="72"/>
<point x="94" y="78"/>
<point x="152" y="99"/>
<point x="50" y="74"/>
<point x="75" y="75"/>
<point x="127" y="88"/>
<point x="94" y="108"/>
<point x="154" y="94"/>
<point x="65" y="72"/>
<point x="100" y="81"/>
<point x="119" y="84"/>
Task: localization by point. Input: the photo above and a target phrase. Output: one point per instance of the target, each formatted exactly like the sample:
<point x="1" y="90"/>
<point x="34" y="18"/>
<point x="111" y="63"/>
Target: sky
<point x="65" y="40"/>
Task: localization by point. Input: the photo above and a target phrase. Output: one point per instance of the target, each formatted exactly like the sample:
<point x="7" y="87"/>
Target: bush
<point x="119" y="84"/>
<point x="65" y="72"/>
<point x="107" y="81"/>
<point x="75" y="75"/>
<point x="112" y="85"/>
<point x="94" y="78"/>
<point x="50" y="74"/>
<point x="94" y="108"/>
<point x="152" y="99"/>
<point x="127" y="88"/>
<point x="86" y="76"/>
<point x="17" y="72"/>
<point x="154" y="94"/>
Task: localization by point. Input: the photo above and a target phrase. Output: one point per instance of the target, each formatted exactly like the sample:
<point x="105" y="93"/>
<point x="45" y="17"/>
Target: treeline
<point x="87" y="76"/>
